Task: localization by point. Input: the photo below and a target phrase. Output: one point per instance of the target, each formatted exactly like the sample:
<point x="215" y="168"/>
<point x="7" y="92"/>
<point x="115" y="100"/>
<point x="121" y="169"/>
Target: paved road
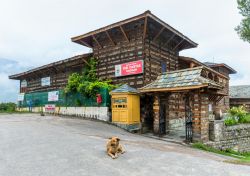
<point x="31" y="145"/>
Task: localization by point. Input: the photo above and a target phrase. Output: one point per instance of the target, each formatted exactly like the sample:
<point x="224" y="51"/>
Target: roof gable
<point x="124" y="89"/>
<point x="171" y="34"/>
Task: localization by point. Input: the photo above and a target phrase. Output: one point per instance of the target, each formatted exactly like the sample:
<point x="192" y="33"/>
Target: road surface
<point x="32" y="145"/>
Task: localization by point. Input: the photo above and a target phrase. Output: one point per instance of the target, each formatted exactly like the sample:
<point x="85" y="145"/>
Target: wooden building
<point x="144" y="37"/>
<point x="57" y="73"/>
<point x="240" y="96"/>
<point x="143" y="51"/>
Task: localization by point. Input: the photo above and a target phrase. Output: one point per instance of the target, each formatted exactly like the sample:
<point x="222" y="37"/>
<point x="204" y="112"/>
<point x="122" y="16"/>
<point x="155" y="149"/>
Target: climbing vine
<point x="87" y="82"/>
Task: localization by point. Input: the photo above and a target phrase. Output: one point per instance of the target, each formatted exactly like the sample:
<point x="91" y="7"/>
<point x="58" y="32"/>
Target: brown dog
<point x="113" y="147"/>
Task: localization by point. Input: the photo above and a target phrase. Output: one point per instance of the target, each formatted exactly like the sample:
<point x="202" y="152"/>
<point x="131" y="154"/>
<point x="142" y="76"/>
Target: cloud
<point x="9" y="88"/>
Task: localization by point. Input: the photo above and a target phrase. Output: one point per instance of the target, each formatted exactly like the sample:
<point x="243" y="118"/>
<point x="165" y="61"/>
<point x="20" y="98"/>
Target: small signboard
<point x="210" y="108"/>
<point x="45" y="81"/>
<point x="20" y="97"/>
<point x="130" y="68"/>
<point x="23" y="83"/>
<point x="50" y="108"/>
<point x="53" y="96"/>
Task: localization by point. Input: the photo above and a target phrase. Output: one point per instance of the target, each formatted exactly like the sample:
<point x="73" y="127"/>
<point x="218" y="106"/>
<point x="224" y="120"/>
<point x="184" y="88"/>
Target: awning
<point x="186" y="79"/>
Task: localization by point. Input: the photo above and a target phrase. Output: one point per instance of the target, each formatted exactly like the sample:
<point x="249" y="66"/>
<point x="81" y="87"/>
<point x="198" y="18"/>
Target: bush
<point x="246" y="119"/>
<point x="237" y="115"/>
<point x="7" y="107"/>
<point x="230" y="121"/>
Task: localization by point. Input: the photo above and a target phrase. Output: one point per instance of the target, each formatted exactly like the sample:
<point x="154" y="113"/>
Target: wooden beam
<point x="159" y="33"/>
<point x="178" y="44"/>
<point x="145" y="27"/>
<point x="125" y="35"/>
<point x="84" y="43"/>
<point x="84" y="60"/>
<point x="100" y="46"/>
<point x="113" y="43"/>
<point x="167" y="42"/>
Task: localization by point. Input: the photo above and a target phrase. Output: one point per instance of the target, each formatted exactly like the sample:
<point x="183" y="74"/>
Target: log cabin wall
<point x="119" y="49"/>
<point x="58" y="74"/>
<point x="236" y="102"/>
<point x="158" y="59"/>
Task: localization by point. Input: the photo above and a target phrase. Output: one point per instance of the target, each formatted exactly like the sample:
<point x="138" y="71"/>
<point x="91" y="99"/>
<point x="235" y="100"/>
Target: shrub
<point x="7" y="107"/>
<point x="246" y="119"/>
<point x="237" y="115"/>
<point x="238" y="112"/>
<point x="230" y="121"/>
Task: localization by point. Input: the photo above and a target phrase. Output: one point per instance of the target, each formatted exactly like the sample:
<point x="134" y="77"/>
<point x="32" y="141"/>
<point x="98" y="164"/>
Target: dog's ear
<point x="110" y="137"/>
<point x="118" y="139"/>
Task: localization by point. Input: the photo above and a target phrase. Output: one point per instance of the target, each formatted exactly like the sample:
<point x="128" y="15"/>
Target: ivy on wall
<point x="87" y="82"/>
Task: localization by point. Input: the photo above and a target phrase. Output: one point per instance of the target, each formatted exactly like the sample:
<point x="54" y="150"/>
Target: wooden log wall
<point x="120" y="51"/>
<point x="240" y="102"/>
<point x="155" y="56"/>
<point x="58" y="77"/>
<point x="124" y="52"/>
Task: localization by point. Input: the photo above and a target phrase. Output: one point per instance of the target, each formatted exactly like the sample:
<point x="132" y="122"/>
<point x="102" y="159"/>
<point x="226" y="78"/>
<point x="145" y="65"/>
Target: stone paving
<point x="32" y="145"/>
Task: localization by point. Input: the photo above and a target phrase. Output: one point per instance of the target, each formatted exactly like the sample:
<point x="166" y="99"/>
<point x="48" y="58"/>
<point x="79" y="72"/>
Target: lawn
<point x="243" y="158"/>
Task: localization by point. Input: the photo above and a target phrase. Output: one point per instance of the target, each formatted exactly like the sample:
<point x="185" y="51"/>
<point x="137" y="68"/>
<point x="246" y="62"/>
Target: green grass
<point x="244" y="158"/>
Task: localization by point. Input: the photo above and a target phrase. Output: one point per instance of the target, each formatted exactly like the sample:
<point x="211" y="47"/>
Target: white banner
<point x="53" y="96"/>
<point x="45" y="81"/>
<point x="20" y="97"/>
<point x="23" y="83"/>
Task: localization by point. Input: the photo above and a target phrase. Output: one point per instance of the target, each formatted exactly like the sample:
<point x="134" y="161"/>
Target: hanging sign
<point x="20" y="97"/>
<point x="53" y="96"/>
<point x="45" y="81"/>
<point x="130" y="68"/>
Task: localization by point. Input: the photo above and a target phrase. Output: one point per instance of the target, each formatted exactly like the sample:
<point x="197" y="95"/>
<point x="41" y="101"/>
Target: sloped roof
<point x="88" y="38"/>
<point x="180" y="80"/>
<point x="125" y="89"/>
<point x="241" y="91"/>
<point x="51" y="65"/>
<point x="189" y="59"/>
<point x="211" y="64"/>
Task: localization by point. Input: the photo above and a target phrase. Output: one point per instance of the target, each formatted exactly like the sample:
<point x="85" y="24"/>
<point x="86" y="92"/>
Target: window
<point x="163" y="67"/>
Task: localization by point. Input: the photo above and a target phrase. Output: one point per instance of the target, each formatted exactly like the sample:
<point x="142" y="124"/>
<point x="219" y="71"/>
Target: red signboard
<point x="130" y="68"/>
<point x="50" y="108"/>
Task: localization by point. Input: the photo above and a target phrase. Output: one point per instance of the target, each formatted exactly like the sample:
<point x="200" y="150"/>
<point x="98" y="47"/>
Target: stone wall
<point x="235" y="137"/>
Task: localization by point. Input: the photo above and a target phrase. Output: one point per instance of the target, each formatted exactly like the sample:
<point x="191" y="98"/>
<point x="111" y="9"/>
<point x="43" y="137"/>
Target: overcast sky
<point x="37" y="32"/>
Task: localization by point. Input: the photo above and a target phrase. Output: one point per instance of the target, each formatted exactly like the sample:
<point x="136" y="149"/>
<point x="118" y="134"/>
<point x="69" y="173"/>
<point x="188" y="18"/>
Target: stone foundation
<point x="235" y="137"/>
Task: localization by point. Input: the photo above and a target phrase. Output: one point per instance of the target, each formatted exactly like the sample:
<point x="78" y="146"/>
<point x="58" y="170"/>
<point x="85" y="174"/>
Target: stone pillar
<point x="204" y="118"/>
<point x="200" y="117"/>
<point x="216" y="128"/>
<point x="196" y="117"/>
<point x="156" y="114"/>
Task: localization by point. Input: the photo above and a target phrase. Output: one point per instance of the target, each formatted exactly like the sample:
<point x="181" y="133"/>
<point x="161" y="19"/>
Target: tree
<point x="87" y="82"/>
<point x="244" y="28"/>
